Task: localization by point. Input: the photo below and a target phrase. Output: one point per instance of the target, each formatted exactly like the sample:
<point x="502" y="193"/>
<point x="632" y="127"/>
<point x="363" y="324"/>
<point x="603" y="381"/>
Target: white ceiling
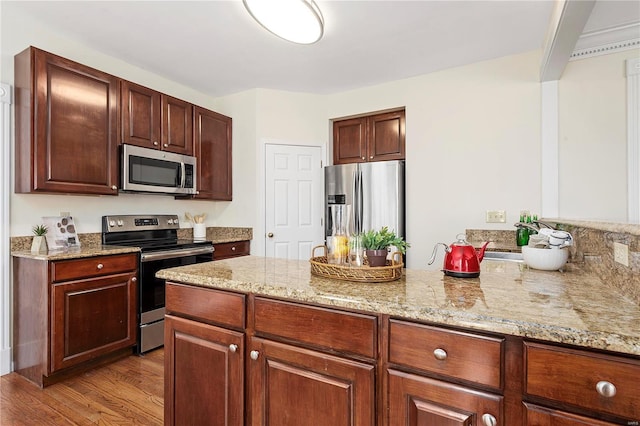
<point x="216" y="48"/>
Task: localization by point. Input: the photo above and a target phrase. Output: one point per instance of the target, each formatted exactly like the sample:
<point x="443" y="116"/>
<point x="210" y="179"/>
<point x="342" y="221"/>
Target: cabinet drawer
<point x="574" y="377"/>
<point x="465" y="356"/>
<point x="66" y="270"/>
<point x="225" y="250"/>
<point x="206" y="304"/>
<point x="320" y="327"/>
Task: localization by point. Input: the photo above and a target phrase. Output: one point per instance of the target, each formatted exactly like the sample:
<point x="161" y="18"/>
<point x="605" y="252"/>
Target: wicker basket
<point x="368" y="274"/>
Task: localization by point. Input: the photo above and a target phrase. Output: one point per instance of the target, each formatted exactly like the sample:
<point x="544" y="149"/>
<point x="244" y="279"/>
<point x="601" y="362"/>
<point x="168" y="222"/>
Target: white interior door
<point x="293" y="200"/>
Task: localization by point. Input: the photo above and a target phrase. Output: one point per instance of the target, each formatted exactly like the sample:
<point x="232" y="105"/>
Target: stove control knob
<point x="112" y="223"/>
<point x="170" y="221"/>
<point x="121" y="222"/>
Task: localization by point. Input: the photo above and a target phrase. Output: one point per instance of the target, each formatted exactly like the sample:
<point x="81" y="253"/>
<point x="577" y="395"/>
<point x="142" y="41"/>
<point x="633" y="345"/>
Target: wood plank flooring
<point x="127" y="392"/>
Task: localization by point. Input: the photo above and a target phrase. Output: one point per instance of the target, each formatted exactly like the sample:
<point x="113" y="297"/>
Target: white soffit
<point x="567" y="23"/>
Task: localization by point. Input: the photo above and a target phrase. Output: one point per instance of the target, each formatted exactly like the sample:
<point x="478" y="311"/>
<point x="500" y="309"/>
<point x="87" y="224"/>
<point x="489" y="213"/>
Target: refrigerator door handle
<point x="357" y="201"/>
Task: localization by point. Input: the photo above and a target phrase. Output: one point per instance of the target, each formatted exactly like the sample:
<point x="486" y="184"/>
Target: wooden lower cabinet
<point x="71" y="315"/>
<point x="204" y="374"/>
<point x="290" y="386"/>
<point x="421" y="401"/>
<point x="229" y="250"/>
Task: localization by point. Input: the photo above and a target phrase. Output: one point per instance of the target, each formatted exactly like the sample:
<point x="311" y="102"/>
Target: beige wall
<point x="473" y="144"/>
<point x="593" y="138"/>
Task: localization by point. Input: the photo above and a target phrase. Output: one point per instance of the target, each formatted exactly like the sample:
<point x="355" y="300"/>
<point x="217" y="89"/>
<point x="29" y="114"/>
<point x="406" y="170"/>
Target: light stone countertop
<point x="572" y="307"/>
<point x="85" y="250"/>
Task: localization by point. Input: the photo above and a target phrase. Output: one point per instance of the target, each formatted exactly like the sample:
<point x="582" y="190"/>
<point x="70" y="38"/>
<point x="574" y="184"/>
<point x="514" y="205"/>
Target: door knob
<point x="270" y="235"/>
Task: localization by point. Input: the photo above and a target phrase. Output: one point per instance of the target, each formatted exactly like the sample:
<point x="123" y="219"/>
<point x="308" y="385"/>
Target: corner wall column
<point x="5" y="237"/>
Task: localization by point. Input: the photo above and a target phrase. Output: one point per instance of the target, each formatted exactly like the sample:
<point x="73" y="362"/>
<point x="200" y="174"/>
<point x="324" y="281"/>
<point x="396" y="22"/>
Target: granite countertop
<point x="572" y="307"/>
<point x="89" y="250"/>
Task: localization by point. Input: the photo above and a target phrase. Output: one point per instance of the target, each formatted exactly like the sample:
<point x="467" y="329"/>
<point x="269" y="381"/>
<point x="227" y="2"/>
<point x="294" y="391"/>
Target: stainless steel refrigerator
<point x="375" y="192"/>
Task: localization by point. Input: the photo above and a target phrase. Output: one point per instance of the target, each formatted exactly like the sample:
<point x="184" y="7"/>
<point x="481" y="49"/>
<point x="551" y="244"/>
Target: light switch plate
<point x="496" y="216"/>
<point x="621" y="253"/>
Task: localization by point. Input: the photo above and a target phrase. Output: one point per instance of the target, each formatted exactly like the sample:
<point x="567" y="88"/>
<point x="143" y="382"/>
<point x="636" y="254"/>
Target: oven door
<point x="151" y="293"/>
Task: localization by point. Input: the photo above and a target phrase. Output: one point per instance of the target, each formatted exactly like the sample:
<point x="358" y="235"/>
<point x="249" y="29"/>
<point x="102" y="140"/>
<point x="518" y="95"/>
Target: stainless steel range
<point x="160" y="248"/>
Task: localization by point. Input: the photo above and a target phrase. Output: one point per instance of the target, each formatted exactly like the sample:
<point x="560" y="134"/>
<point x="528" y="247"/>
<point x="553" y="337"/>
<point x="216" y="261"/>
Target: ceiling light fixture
<point x="299" y="21"/>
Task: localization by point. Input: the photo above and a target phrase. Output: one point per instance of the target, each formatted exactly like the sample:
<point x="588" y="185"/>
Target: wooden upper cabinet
<point x="376" y="137"/>
<point x="212" y="145"/>
<point x="66" y="126"/>
<point x="151" y="119"/>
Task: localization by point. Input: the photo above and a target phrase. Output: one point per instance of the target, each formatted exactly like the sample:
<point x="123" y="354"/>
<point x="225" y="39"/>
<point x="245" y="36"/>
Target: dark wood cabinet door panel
<point x="350" y="141"/>
<point x="421" y="401"/>
<point x="91" y="318"/>
<point x="540" y="416"/>
<point x="177" y="126"/>
<point x="66" y="126"/>
<point x="212" y="133"/>
<point x="340" y="331"/>
<point x="291" y="386"/>
<point x="141" y="120"/>
<point x="470" y="357"/>
<point x="387" y="136"/>
<point x="204" y="374"/>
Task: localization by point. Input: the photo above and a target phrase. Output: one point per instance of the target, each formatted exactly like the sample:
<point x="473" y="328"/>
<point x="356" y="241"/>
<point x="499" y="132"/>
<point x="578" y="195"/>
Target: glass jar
<point x="338" y="241"/>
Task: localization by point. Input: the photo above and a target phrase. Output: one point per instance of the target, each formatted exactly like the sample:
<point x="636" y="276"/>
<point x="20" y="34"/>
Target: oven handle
<point x="172" y="254"/>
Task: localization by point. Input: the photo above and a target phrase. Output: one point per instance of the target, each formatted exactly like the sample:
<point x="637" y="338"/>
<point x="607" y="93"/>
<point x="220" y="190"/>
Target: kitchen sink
<point x="503" y="255"/>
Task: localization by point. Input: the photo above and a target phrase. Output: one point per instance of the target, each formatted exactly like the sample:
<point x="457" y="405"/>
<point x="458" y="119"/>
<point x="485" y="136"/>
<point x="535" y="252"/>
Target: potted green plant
<point x="376" y="245"/>
<point x="39" y="243"/>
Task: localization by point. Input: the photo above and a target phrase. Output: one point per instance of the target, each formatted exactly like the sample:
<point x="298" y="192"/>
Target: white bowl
<point x="546" y="259"/>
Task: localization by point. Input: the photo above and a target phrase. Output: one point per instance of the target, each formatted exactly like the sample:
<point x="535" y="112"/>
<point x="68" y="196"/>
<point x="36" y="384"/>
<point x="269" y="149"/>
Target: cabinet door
<point x="290" y="386"/>
<point x="541" y="416"/>
<point x="92" y="317"/>
<point x="203" y="374"/>
<point x="141" y="120"/>
<point x="72" y="123"/>
<point x="177" y="126"/>
<point x="386" y="136"/>
<point x="212" y="133"/>
<point x="350" y="141"/>
<point x="420" y="401"/>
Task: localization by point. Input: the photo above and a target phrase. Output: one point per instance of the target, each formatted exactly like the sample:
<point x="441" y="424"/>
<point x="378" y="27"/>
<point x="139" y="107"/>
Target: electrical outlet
<point x="65" y="214"/>
<point x="496" y="216"/>
<point x="621" y="253"/>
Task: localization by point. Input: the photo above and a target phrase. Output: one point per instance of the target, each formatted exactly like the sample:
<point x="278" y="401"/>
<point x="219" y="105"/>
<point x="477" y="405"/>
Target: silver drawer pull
<point x="233" y="348"/>
<point x="606" y="389"/>
<point x="233" y="248"/>
<point x="134" y="279"/>
<point x="489" y="420"/>
<point x="254" y="355"/>
<point x="440" y="354"/>
<point x="100" y="266"/>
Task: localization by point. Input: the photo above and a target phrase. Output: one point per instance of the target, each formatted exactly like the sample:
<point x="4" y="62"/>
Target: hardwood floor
<point x="126" y="392"/>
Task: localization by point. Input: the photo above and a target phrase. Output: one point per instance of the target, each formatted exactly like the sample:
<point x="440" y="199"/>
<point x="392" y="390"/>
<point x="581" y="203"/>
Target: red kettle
<point x="461" y="259"/>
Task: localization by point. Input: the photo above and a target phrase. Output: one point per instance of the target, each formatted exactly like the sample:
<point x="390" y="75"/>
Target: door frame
<point x="259" y="243"/>
<point x="5" y="248"/>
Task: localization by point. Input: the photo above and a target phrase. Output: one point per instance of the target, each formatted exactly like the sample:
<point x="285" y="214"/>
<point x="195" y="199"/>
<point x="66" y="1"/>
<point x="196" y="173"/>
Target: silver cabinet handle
<point x="134" y="279"/>
<point x="115" y="188"/>
<point x="371" y="158"/>
<point x="254" y="355"/>
<point x="489" y="420"/>
<point x="606" y="389"/>
<point x="155" y="143"/>
<point x="100" y="266"/>
<point x="363" y="158"/>
<point x="233" y="348"/>
<point x="440" y="354"/>
<point x="233" y="248"/>
<point x="166" y="145"/>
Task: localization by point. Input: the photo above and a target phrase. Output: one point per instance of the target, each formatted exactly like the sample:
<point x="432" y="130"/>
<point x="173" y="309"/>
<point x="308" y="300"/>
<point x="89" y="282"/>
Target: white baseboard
<point x="5" y="361"/>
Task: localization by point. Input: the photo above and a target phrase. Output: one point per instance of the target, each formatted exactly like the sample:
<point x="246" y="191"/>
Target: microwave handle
<point x="183" y="172"/>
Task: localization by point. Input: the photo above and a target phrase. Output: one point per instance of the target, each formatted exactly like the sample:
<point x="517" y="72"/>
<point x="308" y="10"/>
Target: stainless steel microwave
<point x="155" y="171"/>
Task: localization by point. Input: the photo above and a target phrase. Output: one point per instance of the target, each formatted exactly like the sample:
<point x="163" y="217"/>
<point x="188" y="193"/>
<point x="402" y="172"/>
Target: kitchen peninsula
<point x="514" y="346"/>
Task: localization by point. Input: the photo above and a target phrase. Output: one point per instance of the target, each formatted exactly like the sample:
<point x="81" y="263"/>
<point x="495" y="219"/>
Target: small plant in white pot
<point x="376" y="245"/>
<point x="39" y="243"/>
